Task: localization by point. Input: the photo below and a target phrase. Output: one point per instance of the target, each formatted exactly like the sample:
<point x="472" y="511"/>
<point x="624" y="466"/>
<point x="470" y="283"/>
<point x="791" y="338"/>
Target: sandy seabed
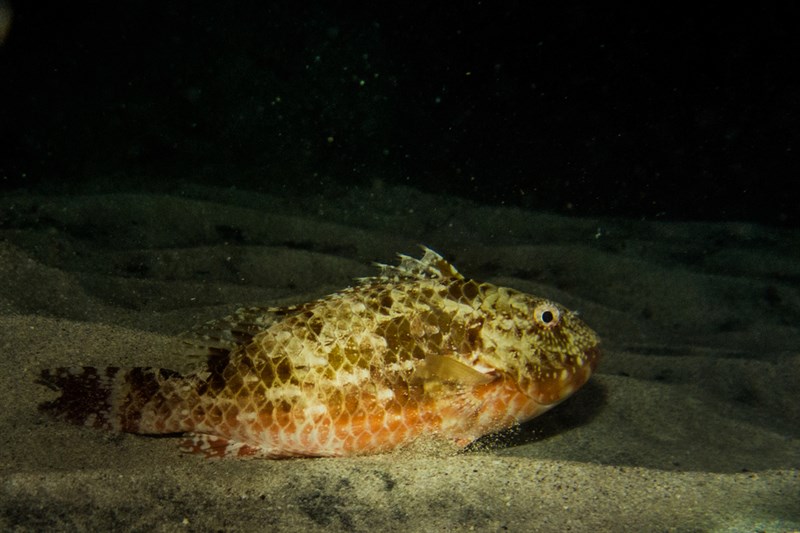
<point x="691" y="423"/>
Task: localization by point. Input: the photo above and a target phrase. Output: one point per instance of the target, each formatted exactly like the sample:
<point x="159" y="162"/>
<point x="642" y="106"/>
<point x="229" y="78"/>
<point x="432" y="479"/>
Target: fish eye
<point x="547" y="315"/>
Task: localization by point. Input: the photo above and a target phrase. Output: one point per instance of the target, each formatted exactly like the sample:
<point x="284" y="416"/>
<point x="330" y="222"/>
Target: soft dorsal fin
<point x="431" y="266"/>
<point x="217" y="338"/>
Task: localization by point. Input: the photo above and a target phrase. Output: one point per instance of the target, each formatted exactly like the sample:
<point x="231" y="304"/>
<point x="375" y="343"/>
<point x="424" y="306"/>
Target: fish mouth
<point x="564" y="382"/>
<point x="593" y="356"/>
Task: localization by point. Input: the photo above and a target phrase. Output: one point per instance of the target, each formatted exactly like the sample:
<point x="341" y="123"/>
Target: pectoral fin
<point x="442" y="369"/>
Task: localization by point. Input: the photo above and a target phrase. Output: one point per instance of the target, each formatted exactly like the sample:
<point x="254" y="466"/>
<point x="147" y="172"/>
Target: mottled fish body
<point x="418" y="350"/>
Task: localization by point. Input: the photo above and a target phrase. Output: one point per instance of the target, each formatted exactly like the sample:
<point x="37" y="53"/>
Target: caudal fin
<point x="86" y="395"/>
<point x="106" y="398"/>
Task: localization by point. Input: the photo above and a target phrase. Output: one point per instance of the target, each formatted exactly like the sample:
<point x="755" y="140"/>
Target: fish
<point x="415" y="352"/>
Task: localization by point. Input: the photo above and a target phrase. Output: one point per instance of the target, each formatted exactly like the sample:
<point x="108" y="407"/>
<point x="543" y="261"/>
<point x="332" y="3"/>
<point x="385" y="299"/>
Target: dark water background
<point x="655" y="112"/>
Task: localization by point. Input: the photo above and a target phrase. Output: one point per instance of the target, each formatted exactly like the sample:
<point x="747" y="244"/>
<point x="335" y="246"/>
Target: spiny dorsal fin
<point x="431" y="266"/>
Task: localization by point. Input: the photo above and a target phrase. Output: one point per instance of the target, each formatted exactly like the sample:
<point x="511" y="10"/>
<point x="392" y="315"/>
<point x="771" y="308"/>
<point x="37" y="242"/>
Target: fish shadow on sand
<point x="578" y="410"/>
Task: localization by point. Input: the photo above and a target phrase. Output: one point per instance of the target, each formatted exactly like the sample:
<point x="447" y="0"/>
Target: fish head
<point x="536" y="343"/>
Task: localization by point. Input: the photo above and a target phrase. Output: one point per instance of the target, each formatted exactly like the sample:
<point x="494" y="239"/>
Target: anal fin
<point x="217" y="447"/>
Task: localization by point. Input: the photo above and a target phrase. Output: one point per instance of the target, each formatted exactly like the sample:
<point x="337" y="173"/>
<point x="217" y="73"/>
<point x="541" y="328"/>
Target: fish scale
<point x="417" y="351"/>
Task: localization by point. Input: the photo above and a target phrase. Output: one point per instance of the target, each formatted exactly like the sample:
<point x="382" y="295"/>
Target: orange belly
<point x="358" y="423"/>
